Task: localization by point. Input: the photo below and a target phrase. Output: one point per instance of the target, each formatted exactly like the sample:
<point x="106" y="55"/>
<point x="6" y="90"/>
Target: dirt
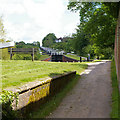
<point x="91" y="97"/>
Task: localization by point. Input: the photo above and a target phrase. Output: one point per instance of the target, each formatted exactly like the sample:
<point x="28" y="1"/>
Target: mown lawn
<point x="18" y="72"/>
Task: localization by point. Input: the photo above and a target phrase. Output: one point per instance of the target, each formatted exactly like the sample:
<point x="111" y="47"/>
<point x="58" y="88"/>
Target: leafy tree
<point x="49" y="40"/>
<point x="97" y="22"/>
<point x="79" y="42"/>
<point x="2" y="31"/>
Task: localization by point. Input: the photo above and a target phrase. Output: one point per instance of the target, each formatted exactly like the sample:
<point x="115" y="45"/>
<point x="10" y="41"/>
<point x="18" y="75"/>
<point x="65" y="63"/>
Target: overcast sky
<point x="32" y="20"/>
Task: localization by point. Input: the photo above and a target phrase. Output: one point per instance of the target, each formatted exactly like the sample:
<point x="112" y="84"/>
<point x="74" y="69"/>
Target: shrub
<point x="6" y="99"/>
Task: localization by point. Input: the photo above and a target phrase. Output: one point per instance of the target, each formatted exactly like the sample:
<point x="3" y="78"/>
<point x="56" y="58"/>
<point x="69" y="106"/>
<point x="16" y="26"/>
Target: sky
<point x="32" y="20"/>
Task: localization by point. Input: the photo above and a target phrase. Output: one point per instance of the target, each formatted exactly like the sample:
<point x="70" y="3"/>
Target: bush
<point x="22" y="57"/>
<point x="26" y="56"/>
<point x="6" y="99"/>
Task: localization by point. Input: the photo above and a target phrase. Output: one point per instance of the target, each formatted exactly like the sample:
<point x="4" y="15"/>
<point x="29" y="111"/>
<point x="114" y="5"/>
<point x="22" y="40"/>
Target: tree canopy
<point x="49" y="40"/>
<point x="97" y="22"/>
<point x="2" y="31"/>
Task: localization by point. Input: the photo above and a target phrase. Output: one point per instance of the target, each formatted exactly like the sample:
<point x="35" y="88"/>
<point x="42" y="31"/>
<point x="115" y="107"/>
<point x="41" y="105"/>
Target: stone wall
<point x="33" y="94"/>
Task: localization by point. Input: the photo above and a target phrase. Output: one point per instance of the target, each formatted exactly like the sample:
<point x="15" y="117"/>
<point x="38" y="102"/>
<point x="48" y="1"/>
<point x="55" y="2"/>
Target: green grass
<point x="54" y="102"/>
<point x="97" y="60"/>
<point x="115" y="93"/>
<point x="19" y="72"/>
<point x="43" y="57"/>
<point x="73" y="56"/>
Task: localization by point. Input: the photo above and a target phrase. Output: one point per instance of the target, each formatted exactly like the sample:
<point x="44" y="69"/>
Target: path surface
<point x="91" y="97"/>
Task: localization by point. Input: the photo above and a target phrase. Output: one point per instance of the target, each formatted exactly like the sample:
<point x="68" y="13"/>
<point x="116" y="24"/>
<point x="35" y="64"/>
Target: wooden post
<point x="10" y="53"/>
<point x="80" y="59"/>
<point x="33" y="55"/>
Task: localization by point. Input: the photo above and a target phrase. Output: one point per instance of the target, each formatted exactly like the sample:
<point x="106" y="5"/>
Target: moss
<point x="39" y="93"/>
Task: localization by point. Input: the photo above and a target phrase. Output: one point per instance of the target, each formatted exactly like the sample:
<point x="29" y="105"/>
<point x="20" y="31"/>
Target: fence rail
<point x="31" y="51"/>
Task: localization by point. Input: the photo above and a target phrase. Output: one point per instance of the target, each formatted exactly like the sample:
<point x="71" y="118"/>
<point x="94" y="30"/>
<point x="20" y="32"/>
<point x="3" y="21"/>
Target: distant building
<point x="58" y="40"/>
<point x="64" y="39"/>
<point x="6" y="45"/>
<point x="4" y="50"/>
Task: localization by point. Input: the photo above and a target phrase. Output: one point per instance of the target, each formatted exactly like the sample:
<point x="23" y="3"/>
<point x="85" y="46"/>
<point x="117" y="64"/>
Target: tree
<point x="97" y="22"/>
<point x="48" y="40"/>
<point x="79" y="42"/>
<point x="2" y="31"/>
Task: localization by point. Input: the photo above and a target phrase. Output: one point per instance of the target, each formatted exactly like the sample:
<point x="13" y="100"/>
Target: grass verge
<point x="115" y="113"/>
<point x="54" y="102"/>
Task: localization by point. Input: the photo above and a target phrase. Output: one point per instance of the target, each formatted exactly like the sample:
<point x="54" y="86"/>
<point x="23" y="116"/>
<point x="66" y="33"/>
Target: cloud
<point x="31" y="20"/>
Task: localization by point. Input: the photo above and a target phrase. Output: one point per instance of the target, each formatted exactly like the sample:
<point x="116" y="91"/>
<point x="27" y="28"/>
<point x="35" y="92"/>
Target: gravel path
<point x="91" y="97"/>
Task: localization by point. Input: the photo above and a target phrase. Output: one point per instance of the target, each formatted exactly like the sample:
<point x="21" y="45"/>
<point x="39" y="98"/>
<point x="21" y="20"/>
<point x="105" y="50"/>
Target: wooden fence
<point x="31" y="51"/>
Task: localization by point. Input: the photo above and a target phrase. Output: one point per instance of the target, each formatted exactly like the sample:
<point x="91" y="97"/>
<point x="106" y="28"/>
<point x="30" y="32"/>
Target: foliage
<point x="22" y="57"/>
<point x="97" y="23"/>
<point x="6" y="100"/>
<point x="22" y="44"/>
<point x="64" y="45"/>
<point x="112" y="8"/>
<point x="2" y="31"/>
<point x="49" y="40"/>
<point x="80" y="41"/>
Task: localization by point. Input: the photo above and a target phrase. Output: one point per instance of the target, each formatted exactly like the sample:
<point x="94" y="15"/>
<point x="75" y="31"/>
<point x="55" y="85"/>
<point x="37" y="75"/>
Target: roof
<point x="7" y="44"/>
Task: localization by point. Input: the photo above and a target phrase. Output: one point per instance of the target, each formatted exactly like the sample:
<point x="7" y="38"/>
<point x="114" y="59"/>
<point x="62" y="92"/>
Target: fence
<point x="31" y="51"/>
<point x="117" y="48"/>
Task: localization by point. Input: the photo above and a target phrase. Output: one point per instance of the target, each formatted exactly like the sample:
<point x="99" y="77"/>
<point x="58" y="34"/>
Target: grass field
<point x="73" y="56"/>
<point x="18" y="72"/>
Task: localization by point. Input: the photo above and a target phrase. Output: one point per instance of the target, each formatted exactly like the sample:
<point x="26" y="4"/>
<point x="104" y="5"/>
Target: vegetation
<point x="2" y="31"/>
<point x="29" y="71"/>
<point x="96" y="32"/>
<point x="49" y="40"/>
<point x="22" y="44"/>
<point x="43" y="57"/>
<point x="54" y="102"/>
<point x="4" y="55"/>
<point x="6" y="101"/>
<point x="115" y="93"/>
<point x="23" y="56"/>
<point x="73" y="56"/>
